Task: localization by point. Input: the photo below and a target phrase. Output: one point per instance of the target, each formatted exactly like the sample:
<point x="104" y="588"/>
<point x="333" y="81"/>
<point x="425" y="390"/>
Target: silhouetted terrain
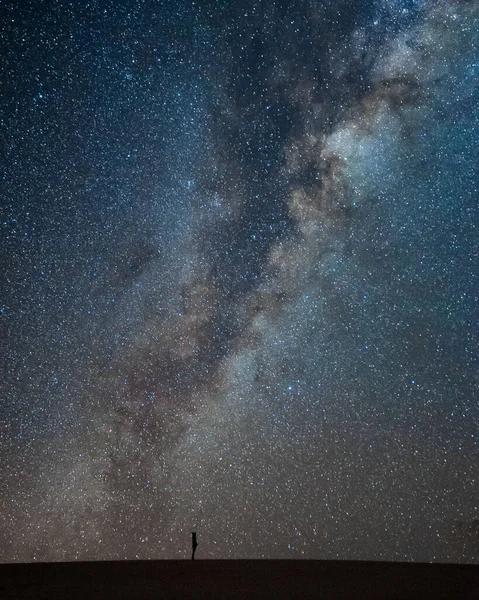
<point x="211" y="579"/>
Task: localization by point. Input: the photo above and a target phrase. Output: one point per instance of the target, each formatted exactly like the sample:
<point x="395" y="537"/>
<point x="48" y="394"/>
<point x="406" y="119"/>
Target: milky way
<point x="239" y="280"/>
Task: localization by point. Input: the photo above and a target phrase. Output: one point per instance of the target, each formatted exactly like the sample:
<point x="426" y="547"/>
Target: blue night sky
<point x="239" y="279"/>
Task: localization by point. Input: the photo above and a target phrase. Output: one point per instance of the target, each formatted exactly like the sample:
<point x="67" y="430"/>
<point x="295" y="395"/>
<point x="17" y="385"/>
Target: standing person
<point x="194" y="544"/>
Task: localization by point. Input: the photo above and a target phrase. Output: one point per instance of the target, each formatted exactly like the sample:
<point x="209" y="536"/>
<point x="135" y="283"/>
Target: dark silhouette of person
<point x="194" y="544"/>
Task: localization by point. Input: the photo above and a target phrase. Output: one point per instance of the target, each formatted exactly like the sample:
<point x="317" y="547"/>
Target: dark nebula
<point x="239" y="283"/>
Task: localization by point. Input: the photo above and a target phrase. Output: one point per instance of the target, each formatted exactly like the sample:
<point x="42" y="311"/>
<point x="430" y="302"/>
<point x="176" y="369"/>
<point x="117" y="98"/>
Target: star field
<point x="239" y="284"/>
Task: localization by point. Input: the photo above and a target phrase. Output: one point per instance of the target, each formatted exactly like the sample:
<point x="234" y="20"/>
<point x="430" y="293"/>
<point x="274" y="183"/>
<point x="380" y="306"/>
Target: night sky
<point x="239" y="279"/>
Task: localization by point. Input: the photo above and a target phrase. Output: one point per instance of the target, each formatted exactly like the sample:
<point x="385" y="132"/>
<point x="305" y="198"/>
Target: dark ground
<point x="237" y="579"/>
